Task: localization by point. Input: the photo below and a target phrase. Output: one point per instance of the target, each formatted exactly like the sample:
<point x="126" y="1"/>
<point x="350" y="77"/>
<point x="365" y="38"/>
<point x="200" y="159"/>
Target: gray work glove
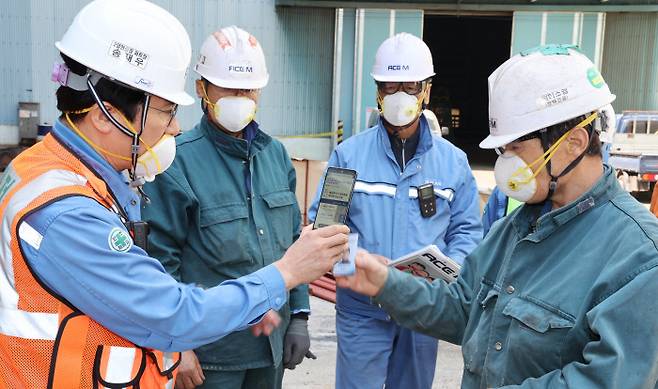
<point x="297" y="342"/>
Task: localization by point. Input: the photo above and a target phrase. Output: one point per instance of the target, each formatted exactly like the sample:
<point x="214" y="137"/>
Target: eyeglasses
<point x="537" y="134"/>
<point x="409" y="87"/>
<point x="172" y="112"/>
<point x="501" y="150"/>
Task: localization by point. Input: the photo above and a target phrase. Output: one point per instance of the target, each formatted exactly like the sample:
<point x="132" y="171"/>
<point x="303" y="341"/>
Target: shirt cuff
<point x="296" y="311"/>
<point x="274" y="284"/>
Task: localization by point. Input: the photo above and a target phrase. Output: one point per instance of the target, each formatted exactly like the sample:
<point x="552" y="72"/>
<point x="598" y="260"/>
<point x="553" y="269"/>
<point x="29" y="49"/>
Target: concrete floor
<point x="319" y="373"/>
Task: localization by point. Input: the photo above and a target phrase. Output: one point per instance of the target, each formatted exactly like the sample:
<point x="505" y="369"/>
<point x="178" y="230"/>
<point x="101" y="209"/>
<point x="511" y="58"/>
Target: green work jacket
<point x="570" y="301"/>
<point x="207" y="227"/>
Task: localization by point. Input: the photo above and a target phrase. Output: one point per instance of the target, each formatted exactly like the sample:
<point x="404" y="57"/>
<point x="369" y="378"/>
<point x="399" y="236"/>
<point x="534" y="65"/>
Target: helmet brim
<point x="235" y="84"/>
<point x="493" y="141"/>
<point x="398" y="78"/>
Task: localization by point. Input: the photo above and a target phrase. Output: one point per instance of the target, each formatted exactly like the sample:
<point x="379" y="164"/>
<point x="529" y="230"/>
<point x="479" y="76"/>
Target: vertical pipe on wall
<point x="338" y="61"/>
<point x="600" y="32"/>
<point x="575" y="32"/>
<point x="544" y="24"/>
<point x="391" y="24"/>
<point x="358" y="68"/>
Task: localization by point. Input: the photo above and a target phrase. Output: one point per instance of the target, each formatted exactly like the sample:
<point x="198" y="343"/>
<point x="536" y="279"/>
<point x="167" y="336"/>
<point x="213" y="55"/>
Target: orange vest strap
<point x="66" y="365"/>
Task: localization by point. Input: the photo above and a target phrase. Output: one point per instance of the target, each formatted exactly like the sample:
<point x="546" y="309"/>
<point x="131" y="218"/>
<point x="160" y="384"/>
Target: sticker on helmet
<point x="128" y="54"/>
<point x="595" y="78"/>
<point x="554" y="97"/>
<point x="119" y="240"/>
<point x="222" y="40"/>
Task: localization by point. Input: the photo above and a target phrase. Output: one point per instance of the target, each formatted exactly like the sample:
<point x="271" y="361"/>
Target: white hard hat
<point x="403" y="57"/>
<point x="134" y="42"/>
<point x="232" y="58"/>
<point x="541" y="87"/>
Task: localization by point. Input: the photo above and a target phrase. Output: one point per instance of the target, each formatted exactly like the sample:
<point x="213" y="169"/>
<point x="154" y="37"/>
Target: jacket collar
<point x="424" y="143"/>
<point x="605" y="189"/>
<point x="255" y="139"/>
<point x="115" y="181"/>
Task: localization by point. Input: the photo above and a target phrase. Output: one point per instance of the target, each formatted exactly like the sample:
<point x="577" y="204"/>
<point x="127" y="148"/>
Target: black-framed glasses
<point x="501" y="150"/>
<point x="171" y="112"/>
<point x="409" y="87"/>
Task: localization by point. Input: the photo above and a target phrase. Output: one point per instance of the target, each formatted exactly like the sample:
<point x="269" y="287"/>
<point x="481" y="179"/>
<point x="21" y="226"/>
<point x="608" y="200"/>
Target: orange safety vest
<point x="45" y="342"/>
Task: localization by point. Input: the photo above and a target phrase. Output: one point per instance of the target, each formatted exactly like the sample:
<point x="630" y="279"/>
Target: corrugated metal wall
<point x="298" y="44"/>
<point x="630" y="61"/>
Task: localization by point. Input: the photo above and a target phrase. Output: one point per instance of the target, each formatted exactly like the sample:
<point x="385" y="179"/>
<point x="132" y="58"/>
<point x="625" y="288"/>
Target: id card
<point x="347" y="265"/>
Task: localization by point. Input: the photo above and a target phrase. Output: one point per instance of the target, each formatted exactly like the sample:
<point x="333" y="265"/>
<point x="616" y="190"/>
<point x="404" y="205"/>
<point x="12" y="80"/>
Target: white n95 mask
<point x="514" y="177"/>
<point x="400" y="108"/>
<point x="234" y="113"/>
<point x="156" y="159"/>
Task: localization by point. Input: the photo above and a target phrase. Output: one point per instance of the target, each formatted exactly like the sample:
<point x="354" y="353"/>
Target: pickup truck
<point x="634" y="150"/>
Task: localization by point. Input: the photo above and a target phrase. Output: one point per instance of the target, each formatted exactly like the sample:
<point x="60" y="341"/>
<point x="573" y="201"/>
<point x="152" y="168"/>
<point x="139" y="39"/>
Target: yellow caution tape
<point x="318" y="135"/>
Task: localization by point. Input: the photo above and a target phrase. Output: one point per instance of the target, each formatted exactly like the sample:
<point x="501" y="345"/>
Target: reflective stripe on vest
<point x="44" y="342"/>
<point x="380" y="188"/>
<point x="512" y="204"/>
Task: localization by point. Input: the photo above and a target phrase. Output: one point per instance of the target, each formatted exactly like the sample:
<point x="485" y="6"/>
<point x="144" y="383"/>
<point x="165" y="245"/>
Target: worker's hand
<point x="370" y="276"/>
<point x="313" y="254"/>
<point x="297" y="343"/>
<point x="270" y="321"/>
<point x="190" y="374"/>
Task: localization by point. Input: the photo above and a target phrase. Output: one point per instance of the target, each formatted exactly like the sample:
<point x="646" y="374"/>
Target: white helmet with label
<point x="541" y="87"/>
<point x="403" y="57"/>
<point x="232" y="58"/>
<point x="134" y="42"/>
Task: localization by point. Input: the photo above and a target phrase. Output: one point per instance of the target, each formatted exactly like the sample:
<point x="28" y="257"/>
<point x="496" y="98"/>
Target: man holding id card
<point x="413" y="189"/>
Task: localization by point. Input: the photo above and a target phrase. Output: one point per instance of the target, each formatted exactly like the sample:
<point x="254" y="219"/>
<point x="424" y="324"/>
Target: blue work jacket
<point x="127" y="291"/>
<point x="385" y="211"/>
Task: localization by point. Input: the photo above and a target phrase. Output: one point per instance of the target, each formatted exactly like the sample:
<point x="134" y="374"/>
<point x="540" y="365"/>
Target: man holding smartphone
<point x="413" y="189"/>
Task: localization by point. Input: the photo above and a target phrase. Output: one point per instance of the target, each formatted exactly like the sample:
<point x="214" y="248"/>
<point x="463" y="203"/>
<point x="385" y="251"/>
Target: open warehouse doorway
<point x="466" y="49"/>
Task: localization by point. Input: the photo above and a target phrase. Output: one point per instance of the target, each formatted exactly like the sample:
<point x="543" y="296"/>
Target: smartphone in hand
<point x="335" y="197"/>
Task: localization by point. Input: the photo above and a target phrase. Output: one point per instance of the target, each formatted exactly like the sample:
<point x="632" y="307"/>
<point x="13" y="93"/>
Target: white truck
<point x="634" y="151"/>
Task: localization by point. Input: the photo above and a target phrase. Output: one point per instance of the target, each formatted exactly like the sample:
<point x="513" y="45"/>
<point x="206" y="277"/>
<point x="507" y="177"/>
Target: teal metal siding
<point x="16" y="60"/>
<point x="589" y="35"/>
<point x="410" y="21"/>
<point x="363" y="32"/>
<point x="526" y="30"/>
<point x="559" y="28"/>
<point x="630" y="64"/>
<point x="298" y="45"/>
<point x="376" y="30"/>
<point x="532" y="29"/>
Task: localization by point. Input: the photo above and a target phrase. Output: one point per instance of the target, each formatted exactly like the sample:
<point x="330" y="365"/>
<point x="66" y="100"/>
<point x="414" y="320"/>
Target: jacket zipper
<point x="404" y="162"/>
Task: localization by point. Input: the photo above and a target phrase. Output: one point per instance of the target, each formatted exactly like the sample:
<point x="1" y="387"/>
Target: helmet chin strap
<point x="135" y="182"/>
<point x="552" y="185"/>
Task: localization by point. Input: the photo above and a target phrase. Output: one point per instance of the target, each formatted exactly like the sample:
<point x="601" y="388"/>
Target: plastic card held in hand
<point x="346" y="266"/>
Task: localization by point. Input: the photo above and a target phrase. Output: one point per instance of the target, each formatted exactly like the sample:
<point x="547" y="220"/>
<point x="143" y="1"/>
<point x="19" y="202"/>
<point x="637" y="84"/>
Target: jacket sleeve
<point x="438" y="309"/>
<point x="168" y="214"/>
<point x="625" y="353"/>
<point x="130" y="293"/>
<point x="299" y="300"/>
<point x="465" y="229"/>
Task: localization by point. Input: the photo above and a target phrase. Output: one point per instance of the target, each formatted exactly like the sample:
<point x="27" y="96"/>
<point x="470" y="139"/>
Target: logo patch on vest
<point x="119" y="240"/>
